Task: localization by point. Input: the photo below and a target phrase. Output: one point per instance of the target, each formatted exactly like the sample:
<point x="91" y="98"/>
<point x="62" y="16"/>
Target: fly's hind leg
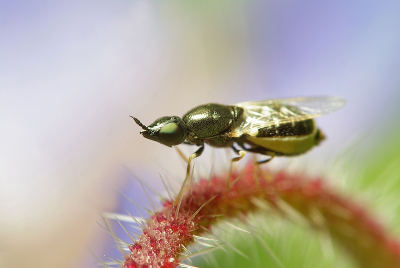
<point x="261" y="150"/>
<point x="269" y="153"/>
<point x="258" y="150"/>
<point x="187" y="178"/>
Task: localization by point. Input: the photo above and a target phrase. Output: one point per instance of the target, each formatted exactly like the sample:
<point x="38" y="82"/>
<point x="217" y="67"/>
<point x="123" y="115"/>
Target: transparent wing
<point x="261" y="114"/>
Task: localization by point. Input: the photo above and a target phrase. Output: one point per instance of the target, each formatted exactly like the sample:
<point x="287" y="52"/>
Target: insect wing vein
<point x="261" y="114"/>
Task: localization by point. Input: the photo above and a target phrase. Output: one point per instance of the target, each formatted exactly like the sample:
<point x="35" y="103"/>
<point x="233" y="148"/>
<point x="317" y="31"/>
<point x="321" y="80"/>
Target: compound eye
<point x="171" y="134"/>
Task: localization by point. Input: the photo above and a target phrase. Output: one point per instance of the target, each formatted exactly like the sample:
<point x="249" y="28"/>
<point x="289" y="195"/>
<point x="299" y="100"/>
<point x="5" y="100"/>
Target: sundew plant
<point x="254" y="216"/>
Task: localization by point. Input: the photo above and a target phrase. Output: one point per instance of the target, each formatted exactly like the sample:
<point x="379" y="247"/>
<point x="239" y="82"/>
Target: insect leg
<point x="259" y="150"/>
<point x="271" y="154"/>
<point x="187" y="178"/>
<point x="239" y="152"/>
<point x="235" y="149"/>
<point x="197" y="153"/>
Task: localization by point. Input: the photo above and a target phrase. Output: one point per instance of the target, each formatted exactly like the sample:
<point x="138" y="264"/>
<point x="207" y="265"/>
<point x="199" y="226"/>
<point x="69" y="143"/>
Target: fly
<point x="279" y="127"/>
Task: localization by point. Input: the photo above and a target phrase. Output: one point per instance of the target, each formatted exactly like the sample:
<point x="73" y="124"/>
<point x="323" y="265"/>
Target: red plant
<point x="172" y="229"/>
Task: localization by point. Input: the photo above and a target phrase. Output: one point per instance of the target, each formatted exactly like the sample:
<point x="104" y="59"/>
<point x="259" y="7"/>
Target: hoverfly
<point x="278" y="127"/>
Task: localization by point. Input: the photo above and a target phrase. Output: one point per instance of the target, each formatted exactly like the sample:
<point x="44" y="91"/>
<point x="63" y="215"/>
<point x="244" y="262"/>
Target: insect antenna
<point x="139" y="123"/>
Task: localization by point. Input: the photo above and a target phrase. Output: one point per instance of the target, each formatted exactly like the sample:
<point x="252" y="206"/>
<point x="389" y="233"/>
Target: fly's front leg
<point x="187" y="178"/>
<point x="194" y="155"/>
<point x="181" y="154"/>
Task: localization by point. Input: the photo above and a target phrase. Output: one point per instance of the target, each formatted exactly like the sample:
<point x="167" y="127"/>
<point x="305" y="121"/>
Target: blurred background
<point x="72" y="72"/>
